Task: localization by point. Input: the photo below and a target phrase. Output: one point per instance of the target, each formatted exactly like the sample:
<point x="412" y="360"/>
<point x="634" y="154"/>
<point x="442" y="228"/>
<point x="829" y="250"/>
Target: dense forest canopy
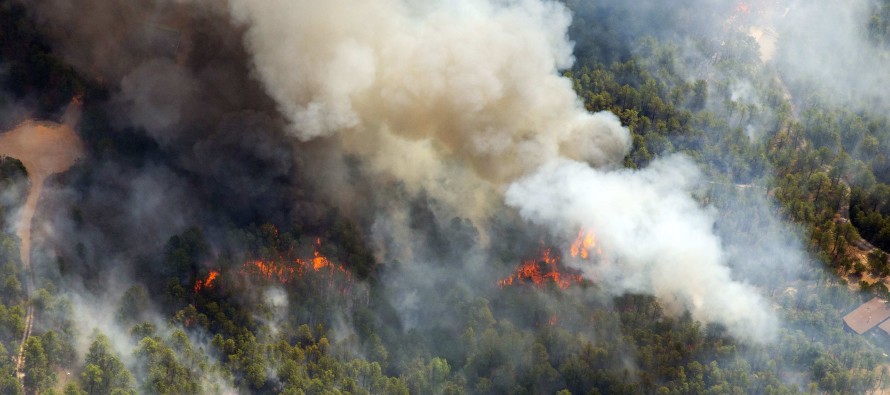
<point x="492" y="197"/>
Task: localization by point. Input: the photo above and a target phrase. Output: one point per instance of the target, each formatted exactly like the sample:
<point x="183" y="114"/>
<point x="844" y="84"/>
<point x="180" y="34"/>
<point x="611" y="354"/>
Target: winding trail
<point x="45" y="148"/>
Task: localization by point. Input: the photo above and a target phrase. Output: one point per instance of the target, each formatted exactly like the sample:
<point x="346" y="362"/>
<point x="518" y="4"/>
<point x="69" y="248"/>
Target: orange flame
<point x="208" y="282"/>
<point x="538" y="271"/>
<point x="320" y="261"/>
<point x="271" y="270"/>
<point x="546" y="267"/>
<point x="584" y="244"/>
<point x="285" y="271"/>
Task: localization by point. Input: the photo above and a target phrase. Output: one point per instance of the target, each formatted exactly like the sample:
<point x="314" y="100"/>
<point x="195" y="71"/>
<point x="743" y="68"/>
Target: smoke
<point x="657" y="239"/>
<point x="276" y="300"/>
<point x="434" y="126"/>
<point x="182" y="138"/>
<point x="473" y="81"/>
<point x="824" y="45"/>
<point x="818" y="47"/>
<point x="452" y="99"/>
<point x="13" y="192"/>
<point x="154" y="96"/>
<point x="410" y="115"/>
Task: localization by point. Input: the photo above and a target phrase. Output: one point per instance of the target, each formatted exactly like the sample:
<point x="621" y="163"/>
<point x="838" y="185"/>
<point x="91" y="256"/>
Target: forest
<point x="245" y="277"/>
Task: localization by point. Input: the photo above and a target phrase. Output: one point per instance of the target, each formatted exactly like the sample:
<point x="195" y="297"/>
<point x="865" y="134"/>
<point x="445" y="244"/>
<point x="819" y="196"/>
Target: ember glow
<point x="206" y="283"/>
<point x="284" y="270"/>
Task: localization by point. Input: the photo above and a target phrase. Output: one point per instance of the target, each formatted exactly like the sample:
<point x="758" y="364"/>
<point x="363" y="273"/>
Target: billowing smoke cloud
<point x="656" y="237"/>
<point x="422" y="120"/>
<point x="469" y="95"/>
<point x="475" y="79"/>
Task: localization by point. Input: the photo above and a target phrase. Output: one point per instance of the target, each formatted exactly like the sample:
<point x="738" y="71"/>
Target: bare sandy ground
<point x="45" y="148"/>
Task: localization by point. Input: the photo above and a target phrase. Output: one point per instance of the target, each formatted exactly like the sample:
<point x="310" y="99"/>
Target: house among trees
<point x="869" y="315"/>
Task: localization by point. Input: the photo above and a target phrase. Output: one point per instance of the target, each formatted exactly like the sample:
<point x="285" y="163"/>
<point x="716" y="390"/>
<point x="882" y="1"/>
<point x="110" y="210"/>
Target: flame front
<point x="207" y="282"/>
<point x="282" y="272"/>
<point x="540" y="270"/>
<point x="546" y="267"/>
<point x="285" y="271"/>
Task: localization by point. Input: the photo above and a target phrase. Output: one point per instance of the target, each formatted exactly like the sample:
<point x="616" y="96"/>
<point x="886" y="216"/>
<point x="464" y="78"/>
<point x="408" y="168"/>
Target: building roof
<point x="885" y="326"/>
<point x="868" y="315"/>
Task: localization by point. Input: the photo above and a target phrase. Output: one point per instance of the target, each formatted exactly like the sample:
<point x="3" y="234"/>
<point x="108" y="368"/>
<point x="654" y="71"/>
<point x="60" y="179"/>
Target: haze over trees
<point x="204" y="255"/>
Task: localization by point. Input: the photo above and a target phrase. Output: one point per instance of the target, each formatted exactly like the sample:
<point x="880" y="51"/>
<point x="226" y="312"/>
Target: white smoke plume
<point x="458" y="99"/>
<point x="656" y="237"/>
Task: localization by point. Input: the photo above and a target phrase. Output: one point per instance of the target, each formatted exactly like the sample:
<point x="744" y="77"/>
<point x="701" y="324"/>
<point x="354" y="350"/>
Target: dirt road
<point x="45" y="148"/>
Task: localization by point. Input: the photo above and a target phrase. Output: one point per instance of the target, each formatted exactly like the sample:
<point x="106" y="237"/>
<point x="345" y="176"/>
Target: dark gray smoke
<point x="476" y="114"/>
<point x="426" y="123"/>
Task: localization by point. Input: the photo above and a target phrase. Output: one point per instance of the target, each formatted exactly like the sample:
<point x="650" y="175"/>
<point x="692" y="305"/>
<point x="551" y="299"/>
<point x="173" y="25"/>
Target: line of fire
<point x="286" y="270"/>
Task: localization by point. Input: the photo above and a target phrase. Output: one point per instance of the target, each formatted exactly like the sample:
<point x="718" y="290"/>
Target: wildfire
<point x="284" y="271"/>
<point x="207" y="282"/>
<point x="546" y="267"/>
<point x="320" y="261"/>
<point x="584" y="244"/>
<point x="541" y="270"/>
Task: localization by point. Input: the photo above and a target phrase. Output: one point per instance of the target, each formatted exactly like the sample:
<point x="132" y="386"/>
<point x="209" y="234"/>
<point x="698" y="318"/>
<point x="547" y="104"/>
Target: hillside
<point x="526" y="197"/>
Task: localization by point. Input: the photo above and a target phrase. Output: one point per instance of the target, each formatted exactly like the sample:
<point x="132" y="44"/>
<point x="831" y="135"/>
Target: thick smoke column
<point x="477" y="80"/>
<point x="454" y="98"/>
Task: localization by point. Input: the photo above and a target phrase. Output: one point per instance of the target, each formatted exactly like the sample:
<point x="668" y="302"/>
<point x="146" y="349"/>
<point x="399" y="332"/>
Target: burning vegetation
<point x="294" y="116"/>
<point x="206" y="283"/>
<point x="584" y="244"/>
<point x="286" y="270"/>
<point x="546" y="267"/>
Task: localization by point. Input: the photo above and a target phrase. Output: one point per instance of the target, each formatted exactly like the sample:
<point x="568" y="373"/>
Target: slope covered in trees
<point x="301" y="304"/>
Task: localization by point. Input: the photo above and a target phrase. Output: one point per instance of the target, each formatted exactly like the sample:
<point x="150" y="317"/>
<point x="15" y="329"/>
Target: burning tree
<point x="206" y="282"/>
<point x="547" y="267"/>
<point x="285" y="271"/>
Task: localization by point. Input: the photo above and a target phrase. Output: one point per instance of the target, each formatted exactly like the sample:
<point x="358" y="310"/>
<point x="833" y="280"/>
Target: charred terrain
<point x="523" y="197"/>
